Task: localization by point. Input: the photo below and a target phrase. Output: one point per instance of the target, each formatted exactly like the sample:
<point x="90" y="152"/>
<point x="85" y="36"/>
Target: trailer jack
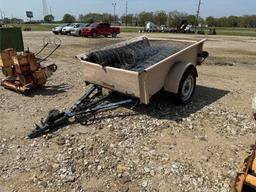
<point x="83" y="111"/>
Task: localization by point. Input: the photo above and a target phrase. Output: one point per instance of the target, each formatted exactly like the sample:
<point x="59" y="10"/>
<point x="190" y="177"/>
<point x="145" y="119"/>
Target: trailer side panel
<point x="123" y="81"/>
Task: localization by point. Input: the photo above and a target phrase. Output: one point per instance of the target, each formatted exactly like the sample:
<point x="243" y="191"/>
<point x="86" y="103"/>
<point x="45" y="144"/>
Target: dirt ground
<point x="160" y="147"/>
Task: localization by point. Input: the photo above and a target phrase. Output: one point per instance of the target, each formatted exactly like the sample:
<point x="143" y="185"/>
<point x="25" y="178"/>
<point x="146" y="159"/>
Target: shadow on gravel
<point x="49" y="90"/>
<point x="162" y="104"/>
<point x="88" y="120"/>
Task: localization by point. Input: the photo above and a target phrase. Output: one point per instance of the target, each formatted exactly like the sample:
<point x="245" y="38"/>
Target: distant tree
<point x="128" y="19"/>
<point x="160" y="18"/>
<point x="80" y="18"/>
<point x="143" y="17"/>
<point x="67" y="18"/>
<point x="95" y="17"/>
<point x="192" y="20"/>
<point x="135" y="20"/>
<point x="49" y="18"/>
<point x="108" y="18"/>
<point x="222" y="22"/>
<point x="201" y="21"/>
<point x="16" y="20"/>
<point x="249" y="20"/>
<point x="6" y="20"/>
<point x="233" y="21"/>
<point x="210" y="21"/>
<point x="175" y="17"/>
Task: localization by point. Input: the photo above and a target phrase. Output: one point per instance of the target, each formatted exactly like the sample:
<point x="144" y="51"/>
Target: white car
<point x="67" y="30"/>
<point x="57" y="30"/>
<point x="76" y="30"/>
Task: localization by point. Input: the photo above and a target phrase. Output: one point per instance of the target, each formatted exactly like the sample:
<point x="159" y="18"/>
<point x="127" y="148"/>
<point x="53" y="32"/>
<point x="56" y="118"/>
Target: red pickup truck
<point x="97" y="29"/>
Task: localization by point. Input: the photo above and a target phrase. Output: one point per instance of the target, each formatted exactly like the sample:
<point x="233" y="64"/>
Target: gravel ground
<point x="159" y="147"/>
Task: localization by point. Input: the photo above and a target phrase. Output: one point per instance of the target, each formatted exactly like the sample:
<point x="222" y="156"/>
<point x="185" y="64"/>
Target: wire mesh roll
<point x="136" y="54"/>
<point x="123" y="55"/>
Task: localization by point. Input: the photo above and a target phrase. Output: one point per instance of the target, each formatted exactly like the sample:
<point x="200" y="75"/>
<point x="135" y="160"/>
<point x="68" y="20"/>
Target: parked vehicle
<point x="76" y="30"/>
<point x="57" y="30"/>
<point x="151" y="27"/>
<point x="97" y="29"/>
<point x="67" y="30"/>
<point x="165" y="29"/>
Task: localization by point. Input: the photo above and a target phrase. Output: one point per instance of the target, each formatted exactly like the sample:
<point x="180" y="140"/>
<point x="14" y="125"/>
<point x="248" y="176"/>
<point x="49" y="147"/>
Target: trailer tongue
<point x="84" y="111"/>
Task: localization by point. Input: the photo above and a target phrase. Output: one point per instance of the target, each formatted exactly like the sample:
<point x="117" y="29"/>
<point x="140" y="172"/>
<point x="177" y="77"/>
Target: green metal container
<point x="11" y="37"/>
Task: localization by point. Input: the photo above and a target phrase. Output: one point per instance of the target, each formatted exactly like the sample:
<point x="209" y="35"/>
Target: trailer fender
<point x="175" y="74"/>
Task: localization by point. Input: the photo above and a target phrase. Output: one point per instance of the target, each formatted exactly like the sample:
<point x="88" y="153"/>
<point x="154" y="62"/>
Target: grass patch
<point x="236" y="31"/>
<point x="37" y="27"/>
<point x="131" y="29"/>
<point x="220" y="30"/>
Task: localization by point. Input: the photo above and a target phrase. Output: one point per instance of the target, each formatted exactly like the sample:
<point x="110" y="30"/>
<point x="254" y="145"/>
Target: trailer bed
<point x="145" y="83"/>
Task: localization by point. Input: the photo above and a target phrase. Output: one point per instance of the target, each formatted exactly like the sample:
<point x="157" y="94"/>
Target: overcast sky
<point x="217" y="8"/>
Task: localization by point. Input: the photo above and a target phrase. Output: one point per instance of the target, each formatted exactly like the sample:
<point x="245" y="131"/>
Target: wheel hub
<point x="187" y="88"/>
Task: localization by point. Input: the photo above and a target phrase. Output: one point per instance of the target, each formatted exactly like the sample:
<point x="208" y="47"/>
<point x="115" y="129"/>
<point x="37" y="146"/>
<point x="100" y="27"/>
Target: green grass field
<point x="219" y="30"/>
<point x="37" y="27"/>
<point x="236" y="31"/>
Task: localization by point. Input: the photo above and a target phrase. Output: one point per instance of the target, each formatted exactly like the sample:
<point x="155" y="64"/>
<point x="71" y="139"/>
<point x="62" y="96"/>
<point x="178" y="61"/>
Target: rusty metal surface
<point x="23" y="72"/>
<point x="16" y="86"/>
<point x="246" y="178"/>
<point x="254" y="106"/>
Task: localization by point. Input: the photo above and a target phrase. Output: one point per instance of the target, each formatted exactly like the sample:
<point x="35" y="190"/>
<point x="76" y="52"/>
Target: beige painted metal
<point x="123" y="81"/>
<point x="165" y="74"/>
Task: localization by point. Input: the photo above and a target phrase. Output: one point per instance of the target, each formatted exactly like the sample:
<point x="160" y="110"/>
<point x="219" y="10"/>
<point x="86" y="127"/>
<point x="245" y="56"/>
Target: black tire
<point x="187" y="87"/>
<point x="80" y="33"/>
<point x="94" y="34"/>
<point x="114" y="34"/>
<point x="106" y="36"/>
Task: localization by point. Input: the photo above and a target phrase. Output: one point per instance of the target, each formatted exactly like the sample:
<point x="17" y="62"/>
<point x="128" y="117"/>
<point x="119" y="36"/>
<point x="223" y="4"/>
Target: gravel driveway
<point x="159" y="147"/>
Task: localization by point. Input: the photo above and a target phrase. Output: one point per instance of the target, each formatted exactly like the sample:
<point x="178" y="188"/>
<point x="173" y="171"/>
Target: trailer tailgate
<point x="120" y="80"/>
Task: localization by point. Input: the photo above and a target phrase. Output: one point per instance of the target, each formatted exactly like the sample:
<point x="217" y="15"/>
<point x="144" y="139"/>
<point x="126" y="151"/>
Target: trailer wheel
<point x="187" y="87"/>
<point x="114" y="34"/>
<point x="94" y="34"/>
<point x="85" y="119"/>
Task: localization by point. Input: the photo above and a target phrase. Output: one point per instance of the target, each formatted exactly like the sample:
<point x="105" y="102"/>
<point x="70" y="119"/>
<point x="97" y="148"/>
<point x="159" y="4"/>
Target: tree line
<point x="171" y="19"/>
<point x="159" y="17"/>
<point x="232" y="21"/>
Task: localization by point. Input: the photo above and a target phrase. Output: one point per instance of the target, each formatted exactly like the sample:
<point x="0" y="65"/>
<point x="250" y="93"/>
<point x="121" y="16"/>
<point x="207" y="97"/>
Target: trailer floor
<point x="160" y="147"/>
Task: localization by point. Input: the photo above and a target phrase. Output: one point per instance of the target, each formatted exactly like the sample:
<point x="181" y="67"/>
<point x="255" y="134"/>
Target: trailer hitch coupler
<point x="203" y="55"/>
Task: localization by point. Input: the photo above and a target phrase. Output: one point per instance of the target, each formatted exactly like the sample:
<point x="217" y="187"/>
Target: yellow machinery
<point x="23" y="72"/>
<point x="246" y="178"/>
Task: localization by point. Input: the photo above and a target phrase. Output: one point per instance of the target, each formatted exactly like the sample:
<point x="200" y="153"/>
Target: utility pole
<point x="45" y="8"/>
<point x="126" y="13"/>
<point x="198" y="12"/>
<point x="114" y="6"/>
<point x="2" y="17"/>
